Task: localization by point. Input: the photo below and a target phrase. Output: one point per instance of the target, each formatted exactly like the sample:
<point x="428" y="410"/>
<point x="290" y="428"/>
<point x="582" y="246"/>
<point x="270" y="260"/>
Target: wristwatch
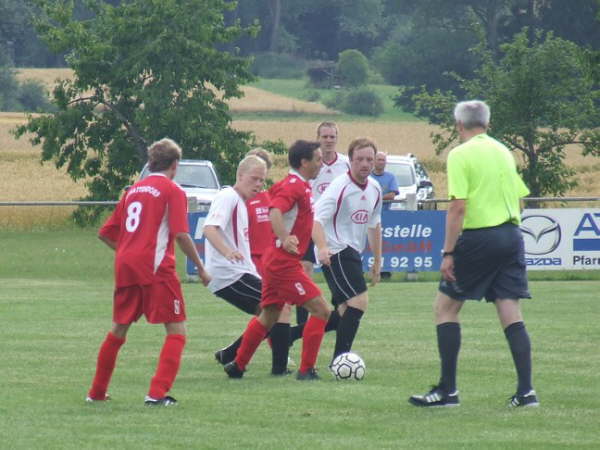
<point x="445" y="253"/>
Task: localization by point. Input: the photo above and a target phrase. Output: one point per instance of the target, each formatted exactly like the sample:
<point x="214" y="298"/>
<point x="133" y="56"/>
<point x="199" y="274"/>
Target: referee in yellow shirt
<point x="483" y="252"/>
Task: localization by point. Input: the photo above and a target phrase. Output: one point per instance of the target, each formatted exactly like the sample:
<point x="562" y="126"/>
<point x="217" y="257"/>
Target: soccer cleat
<point x="527" y="400"/>
<point x="280" y="373"/>
<point x="309" y="375"/>
<point x="232" y="370"/>
<point x="165" y="401"/>
<point x="220" y="357"/>
<point x="89" y="399"/>
<point x="436" y="397"/>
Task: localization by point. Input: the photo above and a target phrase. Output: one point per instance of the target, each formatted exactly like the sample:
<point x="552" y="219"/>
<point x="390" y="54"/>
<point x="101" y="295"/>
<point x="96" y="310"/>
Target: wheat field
<point x="25" y="179"/>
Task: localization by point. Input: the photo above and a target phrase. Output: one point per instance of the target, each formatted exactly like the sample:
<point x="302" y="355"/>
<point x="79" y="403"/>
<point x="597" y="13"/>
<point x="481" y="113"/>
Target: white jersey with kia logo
<point x="346" y="210"/>
<point x="328" y="172"/>
<point x="228" y="212"/>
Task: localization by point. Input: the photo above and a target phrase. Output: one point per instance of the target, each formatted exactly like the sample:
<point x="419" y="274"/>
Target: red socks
<point x="168" y="366"/>
<point x="107" y="358"/>
<point x="253" y="336"/>
<point x="313" y="333"/>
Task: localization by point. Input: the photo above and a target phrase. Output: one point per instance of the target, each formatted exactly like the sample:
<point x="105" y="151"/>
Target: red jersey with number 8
<point x="144" y="225"/>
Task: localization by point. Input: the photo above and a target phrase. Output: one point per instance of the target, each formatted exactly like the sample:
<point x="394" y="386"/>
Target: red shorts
<point x="290" y="286"/>
<point x="160" y="302"/>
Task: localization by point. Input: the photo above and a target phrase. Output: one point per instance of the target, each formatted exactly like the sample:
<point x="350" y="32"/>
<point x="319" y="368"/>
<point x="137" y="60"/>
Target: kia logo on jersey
<point x="360" y="216"/>
<point x="321" y="188"/>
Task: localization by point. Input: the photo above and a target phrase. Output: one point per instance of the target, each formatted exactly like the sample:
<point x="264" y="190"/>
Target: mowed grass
<point x="55" y="297"/>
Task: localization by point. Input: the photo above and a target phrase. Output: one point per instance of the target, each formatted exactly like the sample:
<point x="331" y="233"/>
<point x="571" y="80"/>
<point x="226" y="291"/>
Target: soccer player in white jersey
<point x="348" y="212"/>
<point x="334" y="164"/>
<point x="228" y="257"/>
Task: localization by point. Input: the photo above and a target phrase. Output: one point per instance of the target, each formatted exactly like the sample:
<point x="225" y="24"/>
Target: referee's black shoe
<point x="526" y="400"/>
<point x="232" y="370"/>
<point x="436" y="397"/>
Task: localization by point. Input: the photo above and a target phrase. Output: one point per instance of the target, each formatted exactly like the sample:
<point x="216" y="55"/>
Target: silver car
<point x="198" y="179"/>
<point x="413" y="183"/>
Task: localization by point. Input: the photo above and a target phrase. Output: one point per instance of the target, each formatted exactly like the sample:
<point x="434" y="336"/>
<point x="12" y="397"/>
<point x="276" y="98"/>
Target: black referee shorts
<point x="244" y="294"/>
<point x="490" y="263"/>
<point x="345" y="276"/>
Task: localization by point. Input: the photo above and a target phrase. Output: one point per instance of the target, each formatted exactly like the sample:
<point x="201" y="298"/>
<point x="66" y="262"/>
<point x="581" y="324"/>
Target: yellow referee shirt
<point x="483" y="172"/>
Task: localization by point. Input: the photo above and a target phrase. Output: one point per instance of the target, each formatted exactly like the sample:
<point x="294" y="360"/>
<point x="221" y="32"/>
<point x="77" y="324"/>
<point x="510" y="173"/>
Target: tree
<point x="353" y="68"/>
<point x="143" y="70"/>
<point x="542" y="96"/>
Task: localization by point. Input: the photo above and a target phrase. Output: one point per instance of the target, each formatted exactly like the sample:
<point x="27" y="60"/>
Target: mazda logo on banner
<point x="541" y="234"/>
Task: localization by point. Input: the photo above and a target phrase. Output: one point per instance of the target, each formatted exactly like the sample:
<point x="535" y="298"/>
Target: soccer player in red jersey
<point x="291" y="215"/>
<point x="150" y="217"/>
<point x="334" y="164"/>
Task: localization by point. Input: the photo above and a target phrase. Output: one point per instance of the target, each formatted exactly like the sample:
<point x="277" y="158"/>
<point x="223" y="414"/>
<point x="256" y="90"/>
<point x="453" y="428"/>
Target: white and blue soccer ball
<point x="348" y="366"/>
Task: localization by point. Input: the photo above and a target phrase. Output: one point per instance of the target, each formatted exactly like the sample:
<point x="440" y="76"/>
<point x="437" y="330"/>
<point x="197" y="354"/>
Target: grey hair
<point x="472" y="114"/>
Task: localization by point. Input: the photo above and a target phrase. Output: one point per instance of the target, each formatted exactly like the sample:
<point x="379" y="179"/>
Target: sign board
<point x="412" y="240"/>
<point x="561" y="238"/>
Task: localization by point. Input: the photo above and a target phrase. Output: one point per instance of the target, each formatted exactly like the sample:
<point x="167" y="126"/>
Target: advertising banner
<point x="561" y="238"/>
<point x="412" y="240"/>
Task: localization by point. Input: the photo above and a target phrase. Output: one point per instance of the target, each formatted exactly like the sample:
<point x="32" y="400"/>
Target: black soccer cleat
<point x="165" y="401"/>
<point x="310" y="375"/>
<point x="435" y="398"/>
<point x="232" y="370"/>
<point x="528" y="400"/>
<point x="220" y="357"/>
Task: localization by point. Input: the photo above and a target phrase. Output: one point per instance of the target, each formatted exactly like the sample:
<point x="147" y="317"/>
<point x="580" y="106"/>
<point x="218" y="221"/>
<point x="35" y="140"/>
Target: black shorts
<point x="345" y="276"/>
<point x="490" y="263"/>
<point x="310" y="253"/>
<point x="244" y="294"/>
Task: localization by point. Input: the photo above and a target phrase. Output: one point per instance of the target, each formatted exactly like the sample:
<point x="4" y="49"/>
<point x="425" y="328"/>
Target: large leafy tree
<point x="543" y="98"/>
<point x="143" y="70"/>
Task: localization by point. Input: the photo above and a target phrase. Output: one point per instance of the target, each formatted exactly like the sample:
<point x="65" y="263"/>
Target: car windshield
<point x="191" y="176"/>
<point x="195" y="176"/>
<point x="404" y="175"/>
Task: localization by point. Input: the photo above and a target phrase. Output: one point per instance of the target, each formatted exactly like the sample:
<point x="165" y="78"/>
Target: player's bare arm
<point x="213" y="234"/>
<point x="318" y="236"/>
<point x="374" y="237"/>
<point x="289" y="242"/>
<point x="187" y="246"/>
<point x="454" y="225"/>
<point x="112" y="244"/>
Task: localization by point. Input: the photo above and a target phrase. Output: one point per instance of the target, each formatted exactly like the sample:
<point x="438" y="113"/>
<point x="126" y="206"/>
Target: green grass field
<point x="297" y="88"/>
<point x="55" y="299"/>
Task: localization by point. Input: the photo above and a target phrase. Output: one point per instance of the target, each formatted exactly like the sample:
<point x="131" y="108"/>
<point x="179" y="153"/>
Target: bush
<point x="353" y="68"/>
<point x="336" y="100"/>
<point x="363" y="101"/>
<point x="33" y="97"/>
<point x="277" y="65"/>
<point x="322" y="74"/>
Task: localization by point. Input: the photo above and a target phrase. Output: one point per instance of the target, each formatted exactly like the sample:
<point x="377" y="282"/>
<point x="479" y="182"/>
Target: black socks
<point x="520" y="347"/>
<point x="448" y="337"/>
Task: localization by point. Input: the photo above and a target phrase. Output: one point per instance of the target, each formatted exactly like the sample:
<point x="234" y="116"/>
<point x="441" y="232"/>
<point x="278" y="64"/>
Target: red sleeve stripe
<point x="235" y="226"/>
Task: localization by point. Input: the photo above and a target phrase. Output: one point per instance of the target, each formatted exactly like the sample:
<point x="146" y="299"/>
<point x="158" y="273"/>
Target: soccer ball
<point x="348" y="366"/>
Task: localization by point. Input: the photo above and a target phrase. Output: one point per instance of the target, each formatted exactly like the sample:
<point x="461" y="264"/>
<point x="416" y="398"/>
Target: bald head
<point x="380" y="161"/>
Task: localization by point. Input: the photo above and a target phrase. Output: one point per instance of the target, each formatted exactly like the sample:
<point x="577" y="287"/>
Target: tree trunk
<point x="275" y="6"/>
